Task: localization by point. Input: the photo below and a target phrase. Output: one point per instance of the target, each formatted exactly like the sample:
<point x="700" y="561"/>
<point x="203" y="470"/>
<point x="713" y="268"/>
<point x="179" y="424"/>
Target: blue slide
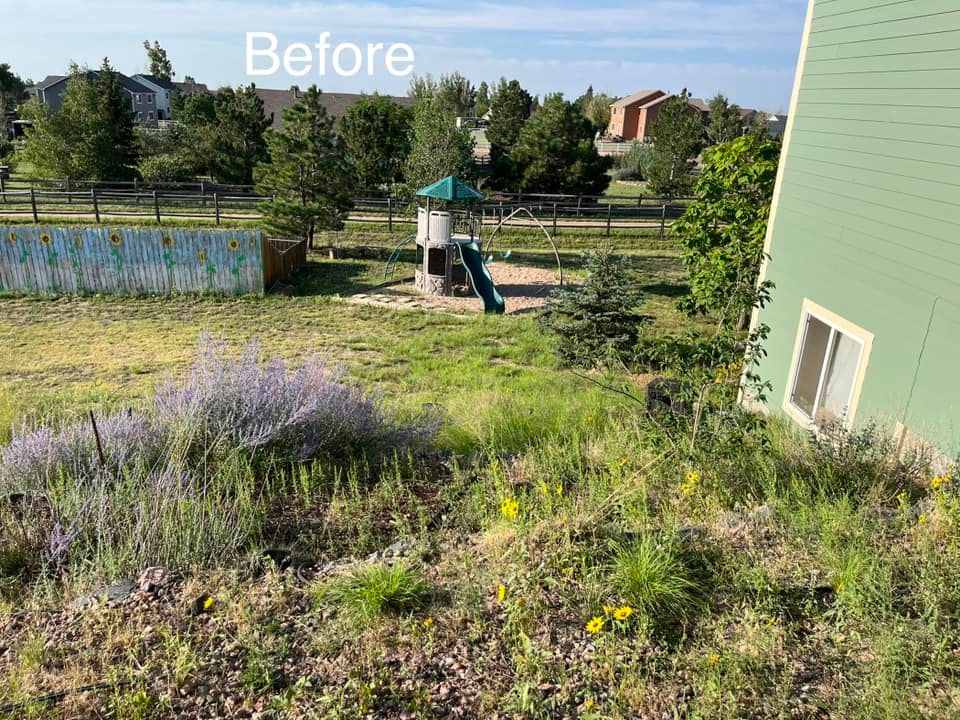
<point x="480" y="278"/>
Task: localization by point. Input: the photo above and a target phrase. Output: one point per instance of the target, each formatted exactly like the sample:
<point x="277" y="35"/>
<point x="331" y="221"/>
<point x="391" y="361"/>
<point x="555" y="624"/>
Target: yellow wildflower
<point x="840" y="587"/>
<point x="510" y="507"/>
<point x="428" y="622"/>
<point x="595" y="625"/>
<point x="623" y="613"/>
<point x="714" y="659"/>
<point x="939" y="482"/>
<point x="208" y="603"/>
<point x="902" y="497"/>
<point x="588" y="705"/>
<point x="609" y="609"/>
<point x="559" y="489"/>
<point x="501" y="593"/>
<point x="693" y="477"/>
<point x="922" y="520"/>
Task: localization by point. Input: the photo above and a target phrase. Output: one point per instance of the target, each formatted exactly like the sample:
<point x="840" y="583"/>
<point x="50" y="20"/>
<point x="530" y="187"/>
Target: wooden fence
<point x="141" y="261"/>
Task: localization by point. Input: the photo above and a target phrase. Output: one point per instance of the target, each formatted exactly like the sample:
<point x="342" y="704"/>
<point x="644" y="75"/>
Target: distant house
<point x="163" y="90"/>
<point x="628" y="116"/>
<point x="336" y="104"/>
<point x="862" y="242"/>
<point x="143" y="99"/>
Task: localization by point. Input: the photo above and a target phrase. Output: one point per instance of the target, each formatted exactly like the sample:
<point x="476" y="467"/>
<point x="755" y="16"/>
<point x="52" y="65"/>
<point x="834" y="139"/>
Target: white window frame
<point x="837" y="324"/>
<point x="139" y="99"/>
<point x="150" y="116"/>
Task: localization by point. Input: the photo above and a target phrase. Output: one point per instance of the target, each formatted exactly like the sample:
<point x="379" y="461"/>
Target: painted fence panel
<point x="140" y="261"/>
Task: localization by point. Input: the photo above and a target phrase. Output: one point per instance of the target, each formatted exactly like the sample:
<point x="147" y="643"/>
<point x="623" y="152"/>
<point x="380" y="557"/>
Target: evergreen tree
<point x="12" y="93"/>
<point x="456" y="95"/>
<point x="482" y="103"/>
<point x="555" y="152"/>
<point x="91" y="136"/>
<point x="160" y="65"/>
<point x="376" y="135"/>
<point x="237" y="143"/>
<point x="308" y="174"/>
<point x="509" y="110"/>
<point x="439" y="147"/>
<point x="599" y="320"/>
<point x="725" y="122"/>
<point x="677" y="139"/>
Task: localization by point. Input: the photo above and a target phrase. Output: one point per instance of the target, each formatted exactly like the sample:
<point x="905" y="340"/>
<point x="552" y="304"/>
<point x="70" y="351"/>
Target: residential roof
<point x="336" y="104"/>
<point x="700" y="104"/>
<point x="158" y="81"/>
<point x="641" y="97"/>
<point x="190" y="88"/>
<point x="656" y="101"/>
<point x="46" y="82"/>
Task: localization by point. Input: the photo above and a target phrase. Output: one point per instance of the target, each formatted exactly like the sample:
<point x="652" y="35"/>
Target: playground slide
<point x="480" y="278"/>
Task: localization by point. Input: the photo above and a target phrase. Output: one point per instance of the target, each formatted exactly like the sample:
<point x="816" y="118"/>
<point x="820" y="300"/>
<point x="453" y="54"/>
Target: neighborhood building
<point x="630" y="117"/>
<point x="336" y="104"/>
<point x="862" y="242"/>
<point x="143" y="98"/>
<point x="163" y="90"/>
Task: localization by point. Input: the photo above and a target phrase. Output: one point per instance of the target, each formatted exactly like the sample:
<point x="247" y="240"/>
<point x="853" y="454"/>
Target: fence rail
<point x="98" y="201"/>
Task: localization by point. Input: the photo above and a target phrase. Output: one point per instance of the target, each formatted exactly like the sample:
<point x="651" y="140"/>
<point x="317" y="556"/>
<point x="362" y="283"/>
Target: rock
<point x="153" y="579"/>
<point x="117" y="592"/>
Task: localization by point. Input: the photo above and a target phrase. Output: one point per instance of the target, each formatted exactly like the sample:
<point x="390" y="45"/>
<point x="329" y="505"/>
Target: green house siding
<point x="867" y="222"/>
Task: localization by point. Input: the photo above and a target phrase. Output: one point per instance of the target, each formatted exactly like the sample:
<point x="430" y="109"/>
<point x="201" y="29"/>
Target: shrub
<point x="375" y="590"/>
<point x="653" y="578"/>
<point x="600" y="319"/>
<point x="164" y="168"/>
<point x="635" y="163"/>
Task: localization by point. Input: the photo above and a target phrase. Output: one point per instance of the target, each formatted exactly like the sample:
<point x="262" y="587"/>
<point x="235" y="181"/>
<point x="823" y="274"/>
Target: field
<point x="553" y="552"/>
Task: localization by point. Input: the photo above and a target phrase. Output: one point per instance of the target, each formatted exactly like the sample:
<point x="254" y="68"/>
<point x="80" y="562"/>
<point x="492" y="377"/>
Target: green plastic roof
<point x="450" y="188"/>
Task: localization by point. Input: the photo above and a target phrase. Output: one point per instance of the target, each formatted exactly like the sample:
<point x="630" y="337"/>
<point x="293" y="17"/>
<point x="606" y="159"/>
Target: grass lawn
<point x="554" y="553"/>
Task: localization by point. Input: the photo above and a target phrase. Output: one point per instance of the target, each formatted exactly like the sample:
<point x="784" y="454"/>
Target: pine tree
<point x="376" y="135"/>
<point x="677" y="139"/>
<point x="307" y="175"/>
<point x="238" y="144"/>
<point x="555" y="152"/>
<point x="725" y="122"/>
<point x="509" y="110"/>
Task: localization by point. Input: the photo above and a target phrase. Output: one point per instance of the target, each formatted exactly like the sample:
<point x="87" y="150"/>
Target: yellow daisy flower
<point x="595" y="625"/>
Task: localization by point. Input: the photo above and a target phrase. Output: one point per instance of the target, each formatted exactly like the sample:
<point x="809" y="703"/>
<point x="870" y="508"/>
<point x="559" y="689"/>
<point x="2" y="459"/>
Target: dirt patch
<point x="524" y="289"/>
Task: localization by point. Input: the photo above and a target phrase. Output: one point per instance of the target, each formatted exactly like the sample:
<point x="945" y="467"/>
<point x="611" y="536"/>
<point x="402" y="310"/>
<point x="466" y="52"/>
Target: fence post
<point x="69" y="194"/>
<point x="389" y="214"/>
<point x="216" y="207"/>
<point x="663" y="220"/>
<point x="554" y="218"/>
<point x="33" y="204"/>
<point x="579" y="203"/>
<point x="203" y="194"/>
<point x="3" y="191"/>
<point x="96" y="207"/>
<point x="156" y="206"/>
<point x="609" y="213"/>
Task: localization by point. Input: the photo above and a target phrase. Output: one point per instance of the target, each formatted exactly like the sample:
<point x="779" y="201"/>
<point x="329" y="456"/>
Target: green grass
<point x="370" y="592"/>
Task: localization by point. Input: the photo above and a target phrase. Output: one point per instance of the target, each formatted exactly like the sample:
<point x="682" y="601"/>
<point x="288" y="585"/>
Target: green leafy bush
<point x="164" y="168"/>
<point x="600" y="319"/>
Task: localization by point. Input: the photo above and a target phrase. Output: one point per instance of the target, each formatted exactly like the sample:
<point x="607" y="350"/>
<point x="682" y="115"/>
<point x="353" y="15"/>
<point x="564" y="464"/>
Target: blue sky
<point x="746" y="49"/>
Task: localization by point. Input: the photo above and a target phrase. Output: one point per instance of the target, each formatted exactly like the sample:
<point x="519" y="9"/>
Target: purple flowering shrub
<point x="182" y="473"/>
<point x="294" y="414"/>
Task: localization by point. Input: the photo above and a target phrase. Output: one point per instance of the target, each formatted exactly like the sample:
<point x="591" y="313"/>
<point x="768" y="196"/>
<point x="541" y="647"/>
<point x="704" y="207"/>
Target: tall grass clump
<point x="184" y="480"/>
<point x="652" y="576"/>
<point x="372" y="591"/>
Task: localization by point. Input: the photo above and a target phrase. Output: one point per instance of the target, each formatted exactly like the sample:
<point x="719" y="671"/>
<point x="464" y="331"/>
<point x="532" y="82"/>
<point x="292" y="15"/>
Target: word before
<point x="347" y="60"/>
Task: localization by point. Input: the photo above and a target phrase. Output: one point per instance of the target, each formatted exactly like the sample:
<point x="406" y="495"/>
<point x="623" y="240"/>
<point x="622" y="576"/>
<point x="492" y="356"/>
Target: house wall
<point x="865" y="213"/>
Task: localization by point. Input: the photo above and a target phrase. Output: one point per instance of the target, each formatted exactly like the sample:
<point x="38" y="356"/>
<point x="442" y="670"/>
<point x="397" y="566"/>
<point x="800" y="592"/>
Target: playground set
<point x="450" y="248"/>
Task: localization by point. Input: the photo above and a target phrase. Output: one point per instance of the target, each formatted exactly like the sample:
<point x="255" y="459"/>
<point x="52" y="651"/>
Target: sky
<point x="746" y="49"/>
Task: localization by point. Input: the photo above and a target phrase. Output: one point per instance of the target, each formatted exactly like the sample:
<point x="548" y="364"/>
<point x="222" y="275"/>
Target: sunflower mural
<point x="12" y="237"/>
<point x="116" y="250"/>
<point x="239" y="258"/>
<point x="45" y="238"/>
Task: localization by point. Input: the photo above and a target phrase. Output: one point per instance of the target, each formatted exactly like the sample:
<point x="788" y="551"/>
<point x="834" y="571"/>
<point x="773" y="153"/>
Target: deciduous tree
<point x="160" y="65"/>
<point x="722" y="233"/>
<point x="725" y="122"/>
<point x="439" y="147"/>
